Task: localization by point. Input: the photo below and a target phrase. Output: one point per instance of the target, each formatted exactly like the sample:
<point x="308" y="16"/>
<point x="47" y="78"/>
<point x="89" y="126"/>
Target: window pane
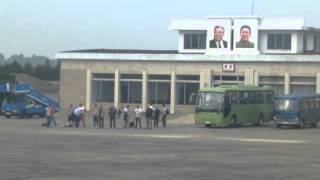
<point x="124" y="92"/>
<point x="152" y="92"/>
<point x="107" y="91"/>
<point x="202" y="41"/>
<point x="188" y="77"/>
<point x="279" y="41"/>
<point x="194" y="41"/>
<point x="271" y="41"/>
<point x="287" y="41"/>
<point x="135" y="92"/>
<point x="180" y="93"/>
<point x="95" y="91"/>
<point x="302" y="89"/>
<point x="163" y="91"/>
<point x="187" y="41"/>
<point x="191" y="88"/>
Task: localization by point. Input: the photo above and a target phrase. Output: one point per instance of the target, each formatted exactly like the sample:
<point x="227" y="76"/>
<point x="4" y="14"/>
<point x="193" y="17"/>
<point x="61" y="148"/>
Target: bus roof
<point x="224" y="88"/>
<point x="298" y="96"/>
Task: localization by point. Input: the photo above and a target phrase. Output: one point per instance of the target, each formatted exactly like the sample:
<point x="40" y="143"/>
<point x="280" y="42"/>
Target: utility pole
<point x="252" y="7"/>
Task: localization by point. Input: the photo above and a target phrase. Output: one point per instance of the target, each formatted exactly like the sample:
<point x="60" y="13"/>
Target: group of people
<point x="152" y="115"/>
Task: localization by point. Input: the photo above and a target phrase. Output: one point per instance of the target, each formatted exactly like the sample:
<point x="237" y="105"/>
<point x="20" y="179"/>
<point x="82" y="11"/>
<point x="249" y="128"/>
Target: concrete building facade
<point x="170" y="77"/>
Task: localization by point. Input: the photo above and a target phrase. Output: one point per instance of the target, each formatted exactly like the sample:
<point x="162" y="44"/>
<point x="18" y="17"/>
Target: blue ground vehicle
<point x="297" y="110"/>
<point x="24" y="101"/>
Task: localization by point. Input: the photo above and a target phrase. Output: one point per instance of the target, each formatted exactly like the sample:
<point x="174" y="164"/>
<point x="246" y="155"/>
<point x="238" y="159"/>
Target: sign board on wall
<point x="228" y="67"/>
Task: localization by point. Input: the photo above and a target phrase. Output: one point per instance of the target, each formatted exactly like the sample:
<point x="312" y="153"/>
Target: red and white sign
<point x="228" y="67"/>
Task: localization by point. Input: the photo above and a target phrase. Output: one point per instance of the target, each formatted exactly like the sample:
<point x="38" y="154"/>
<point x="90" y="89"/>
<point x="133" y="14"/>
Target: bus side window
<point x="243" y="97"/>
<point x="251" y="98"/>
<point x="234" y="97"/>
<point x="260" y="98"/>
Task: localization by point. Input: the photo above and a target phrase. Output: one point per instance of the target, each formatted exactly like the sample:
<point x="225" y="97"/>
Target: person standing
<point x="119" y="112"/>
<point x="156" y="117"/>
<point x="149" y="114"/>
<point x="81" y="112"/>
<point x="112" y="116"/>
<point x="50" y="116"/>
<point x="138" y="112"/>
<point x="126" y="116"/>
<point x="71" y="115"/>
<point x="95" y="117"/>
<point x="165" y="113"/>
<point x="101" y="116"/>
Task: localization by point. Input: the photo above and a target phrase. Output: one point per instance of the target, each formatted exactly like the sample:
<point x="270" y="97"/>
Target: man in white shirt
<point x="138" y="112"/>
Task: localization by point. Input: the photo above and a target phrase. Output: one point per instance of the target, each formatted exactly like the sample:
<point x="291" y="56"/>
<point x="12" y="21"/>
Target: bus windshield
<point x="210" y="101"/>
<point x="286" y="105"/>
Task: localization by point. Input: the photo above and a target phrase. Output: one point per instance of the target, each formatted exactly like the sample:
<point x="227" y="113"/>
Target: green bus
<point x="234" y="105"/>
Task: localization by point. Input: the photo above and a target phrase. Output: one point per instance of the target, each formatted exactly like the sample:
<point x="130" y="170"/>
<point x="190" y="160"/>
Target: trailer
<point x="23" y="100"/>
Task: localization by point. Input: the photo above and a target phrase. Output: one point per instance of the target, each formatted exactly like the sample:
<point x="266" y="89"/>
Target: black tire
<point x="207" y="125"/>
<point x="8" y="116"/>
<point x="279" y="126"/>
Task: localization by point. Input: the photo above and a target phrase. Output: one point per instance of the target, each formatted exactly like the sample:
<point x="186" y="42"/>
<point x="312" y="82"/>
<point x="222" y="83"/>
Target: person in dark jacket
<point x="112" y="116"/>
<point x="149" y="113"/>
<point x="156" y="117"/>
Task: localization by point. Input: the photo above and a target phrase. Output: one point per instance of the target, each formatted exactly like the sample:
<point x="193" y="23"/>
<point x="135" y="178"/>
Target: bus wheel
<point x="8" y="116"/>
<point x="207" y="125"/>
<point x="279" y="126"/>
<point x="233" y="121"/>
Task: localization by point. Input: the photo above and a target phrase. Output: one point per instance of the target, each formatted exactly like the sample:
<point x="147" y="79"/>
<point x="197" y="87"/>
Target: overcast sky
<point x="43" y="27"/>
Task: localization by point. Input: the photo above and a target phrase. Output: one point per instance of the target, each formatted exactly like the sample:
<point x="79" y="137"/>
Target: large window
<point x="131" y="88"/>
<point x="185" y="86"/>
<point x="302" y="85"/>
<point x="195" y="40"/>
<point x="159" y="89"/>
<point x="279" y="41"/>
<point x="277" y="82"/>
<point x="227" y="80"/>
<point x="102" y="88"/>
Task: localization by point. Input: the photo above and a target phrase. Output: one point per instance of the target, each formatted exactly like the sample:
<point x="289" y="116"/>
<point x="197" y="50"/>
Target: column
<point x="318" y="84"/>
<point x="173" y="92"/>
<point x="205" y="78"/>
<point x="116" y="88"/>
<point x="249" y="77"/>
<point x="88" y="89"/>
<point x="256" y="78"/>
<point x="144" y="89"/>
<point x="286" y="83"/>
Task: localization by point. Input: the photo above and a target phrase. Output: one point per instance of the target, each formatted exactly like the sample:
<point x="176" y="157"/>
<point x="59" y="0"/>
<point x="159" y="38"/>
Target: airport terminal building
<point x="280" y="52"/>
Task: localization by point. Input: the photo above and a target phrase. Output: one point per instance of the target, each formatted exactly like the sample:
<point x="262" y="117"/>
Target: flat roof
<point x="123" y="51"/>
<point x="173" y="55"/>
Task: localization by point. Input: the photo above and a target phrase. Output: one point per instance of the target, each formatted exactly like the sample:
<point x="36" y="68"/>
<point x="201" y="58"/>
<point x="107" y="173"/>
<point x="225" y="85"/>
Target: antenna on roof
<point x="252" y="7"/>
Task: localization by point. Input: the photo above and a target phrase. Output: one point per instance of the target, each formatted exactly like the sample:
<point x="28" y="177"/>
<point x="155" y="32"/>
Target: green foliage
<point x="44" y="69"/>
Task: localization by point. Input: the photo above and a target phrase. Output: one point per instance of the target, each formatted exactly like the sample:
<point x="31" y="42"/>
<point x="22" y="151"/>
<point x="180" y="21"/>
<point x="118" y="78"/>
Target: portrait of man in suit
<point x="217" y="41"/>
<point x="245" y="35"/>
